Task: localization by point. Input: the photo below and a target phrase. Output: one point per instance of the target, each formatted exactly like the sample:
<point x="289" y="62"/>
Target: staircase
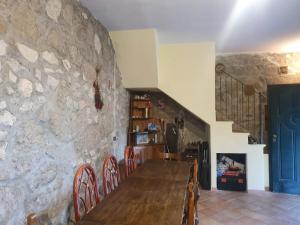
<point x="240" y="103"/>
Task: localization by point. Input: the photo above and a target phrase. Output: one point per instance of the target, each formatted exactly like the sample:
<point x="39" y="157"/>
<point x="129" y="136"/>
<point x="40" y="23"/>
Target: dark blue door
<point x="284" y="103"/>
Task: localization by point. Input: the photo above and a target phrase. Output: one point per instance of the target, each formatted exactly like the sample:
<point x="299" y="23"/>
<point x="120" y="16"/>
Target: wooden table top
<point x="153" y="195"/>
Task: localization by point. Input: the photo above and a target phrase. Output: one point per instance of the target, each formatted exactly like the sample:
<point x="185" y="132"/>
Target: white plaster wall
<point x="136" y="53"/>
<point x="186" y="73"/>
<point x="223" y="140"/>
<point x="267" y="174"/>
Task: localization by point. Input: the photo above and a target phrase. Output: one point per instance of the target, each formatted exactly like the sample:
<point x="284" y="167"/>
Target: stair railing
<point x="240" y="103"/>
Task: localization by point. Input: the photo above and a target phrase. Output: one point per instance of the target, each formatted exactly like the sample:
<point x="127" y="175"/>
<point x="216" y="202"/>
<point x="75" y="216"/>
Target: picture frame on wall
<point x="142" y="138"/>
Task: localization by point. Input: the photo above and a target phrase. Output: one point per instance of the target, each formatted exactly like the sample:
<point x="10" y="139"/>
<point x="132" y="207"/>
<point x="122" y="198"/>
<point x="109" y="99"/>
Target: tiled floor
<point x="253" y="208"/>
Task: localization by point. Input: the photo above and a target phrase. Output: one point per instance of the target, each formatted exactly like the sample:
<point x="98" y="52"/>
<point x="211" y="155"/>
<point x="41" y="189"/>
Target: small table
<point x="153" y="195"/>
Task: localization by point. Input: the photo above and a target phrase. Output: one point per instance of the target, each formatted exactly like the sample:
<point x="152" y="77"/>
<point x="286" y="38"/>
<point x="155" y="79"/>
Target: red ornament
<point x="98" y="100"/>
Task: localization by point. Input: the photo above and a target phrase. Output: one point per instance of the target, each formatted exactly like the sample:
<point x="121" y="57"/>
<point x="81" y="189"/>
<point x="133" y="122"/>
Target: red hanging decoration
<point x="98" y="100"/>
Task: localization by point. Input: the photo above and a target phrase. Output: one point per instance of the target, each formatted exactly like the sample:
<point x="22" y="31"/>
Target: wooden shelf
<point x="142" y="118"/>
<point x="145" y="132"/>
<point x="139" y="108"/>
<point x="154" y="144"/>
<point x="141" y="100"/>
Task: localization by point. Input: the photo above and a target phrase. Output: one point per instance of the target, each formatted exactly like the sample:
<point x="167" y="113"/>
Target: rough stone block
<point x="24" y="22"/>
<point x="97" y="43"/>
<point x="50" y="57"/>
<point x="67" y="64"/>
<point x="3" y="27"/>
<point x="53" y="8"/>
<point x="9" y="90"/>
<point x="12" y="77"/>
<point x="3" y="146"/>
<point x="28" y="53"/>
<point x="38" y="74"/>
<point x="3" y="47"/>
<point x="16" y="66"/>
<point x="38" y="87"/>
<point x="26" y="106"/>
<point x="3" y="135"/>
<point x="52" y="82"/>
<point x="7" y="119"/>
<point x="3" y="105"/>
<point x="25" y="87"/>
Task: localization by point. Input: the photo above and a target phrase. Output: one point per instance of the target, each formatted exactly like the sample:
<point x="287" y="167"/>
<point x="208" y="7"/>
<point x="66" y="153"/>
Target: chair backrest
<point x="85" y="191"/>
<point x="110" y="175"/>
<point x="169" y="156"/>
<point x="130" y="163"/>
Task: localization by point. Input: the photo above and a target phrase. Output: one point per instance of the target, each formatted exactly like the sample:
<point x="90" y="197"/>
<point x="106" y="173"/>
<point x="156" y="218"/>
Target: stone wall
<point x="49" y="52"/>
<point x="262" y="69"/>
<point x="194" y="129"/>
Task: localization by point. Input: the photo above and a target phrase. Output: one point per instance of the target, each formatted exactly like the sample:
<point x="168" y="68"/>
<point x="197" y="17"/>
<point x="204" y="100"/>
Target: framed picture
<point x="142" y="138"/>
<point x="231" y="172"/>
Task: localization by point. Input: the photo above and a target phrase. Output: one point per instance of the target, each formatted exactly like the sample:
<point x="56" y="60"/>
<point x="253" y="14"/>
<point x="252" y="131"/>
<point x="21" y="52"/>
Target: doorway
<point x="284" y="138"/>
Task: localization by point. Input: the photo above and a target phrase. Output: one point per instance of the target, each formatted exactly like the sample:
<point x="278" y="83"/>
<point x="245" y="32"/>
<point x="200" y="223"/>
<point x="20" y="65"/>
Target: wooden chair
<point x="137" y="159"/>
<point x="192" y="215"/>
<point x="193" y="196"/>
<point x="195" y="172"/>
<point x="169" y="156"/>
<point x="130" y="160"/>
<point x="191" y="205"/>
<point x="196" y="183"/>
<point x="85" y="191"/>
<point x="110" y="175"/>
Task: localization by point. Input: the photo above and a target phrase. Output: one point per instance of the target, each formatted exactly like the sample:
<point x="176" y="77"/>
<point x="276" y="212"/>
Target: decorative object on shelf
<point x="142" y="97"/>
<point x="146" y="112"/>
<point x="179" y="122"/>
<point x="249" y="90"/>
<point x="152" y="127"/>
<point x="98" y="100"/>
<point x="283" y="70"/>
<point x="137" y="128"/>
<point x="145" y="131"/>
<point x="252" y="140"/>
<point x="142" y="138"/>
<point x="147" y="109"/>
<point x="220" y="68"/>
<point x="160" y="104"/>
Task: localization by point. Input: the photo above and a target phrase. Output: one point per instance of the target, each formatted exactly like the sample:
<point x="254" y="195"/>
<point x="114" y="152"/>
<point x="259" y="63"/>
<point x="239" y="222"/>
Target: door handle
<point x="274" y="137"/>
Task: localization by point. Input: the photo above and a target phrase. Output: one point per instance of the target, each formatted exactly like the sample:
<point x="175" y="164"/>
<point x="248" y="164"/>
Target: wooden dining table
<point x="154" y="194"/>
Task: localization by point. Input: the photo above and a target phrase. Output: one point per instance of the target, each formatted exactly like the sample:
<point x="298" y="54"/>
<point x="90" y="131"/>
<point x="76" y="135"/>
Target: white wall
<point x="186" y="73"/>
<point x="136" y="52"/>
<point x="223" y="140"/>
<point x="267" y="175"/>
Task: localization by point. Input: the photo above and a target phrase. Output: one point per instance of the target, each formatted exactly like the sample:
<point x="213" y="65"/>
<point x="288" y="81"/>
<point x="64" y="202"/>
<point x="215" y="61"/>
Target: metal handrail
<point x="246" y="111"/>
<point x="232" y="77"/>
